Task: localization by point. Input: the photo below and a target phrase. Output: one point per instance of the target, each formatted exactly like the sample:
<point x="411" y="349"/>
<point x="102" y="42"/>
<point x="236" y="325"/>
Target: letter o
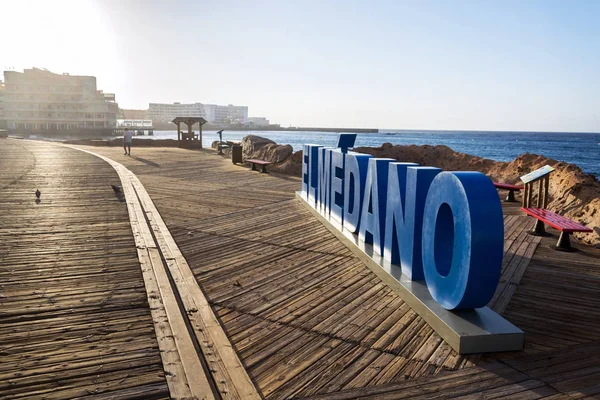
<point x="463" y="239"/>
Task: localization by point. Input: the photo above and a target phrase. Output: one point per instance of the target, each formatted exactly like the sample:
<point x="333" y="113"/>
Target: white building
<point x="258" y="121"/>
<point x="213" y="113"/>
<point x="229" y="114"/>
<point x="39" y="101"/>
<point x="162" y="112"/>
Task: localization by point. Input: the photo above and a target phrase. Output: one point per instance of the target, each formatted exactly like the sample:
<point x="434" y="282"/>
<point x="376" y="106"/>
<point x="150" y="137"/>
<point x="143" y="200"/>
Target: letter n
<point x="373" y="209"/>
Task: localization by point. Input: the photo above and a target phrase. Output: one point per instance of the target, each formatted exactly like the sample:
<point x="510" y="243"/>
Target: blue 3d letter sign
<point x="442" y="227"/>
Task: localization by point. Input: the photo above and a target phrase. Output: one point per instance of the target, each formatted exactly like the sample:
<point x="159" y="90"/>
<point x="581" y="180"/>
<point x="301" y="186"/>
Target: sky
<point x="449" y="65"/>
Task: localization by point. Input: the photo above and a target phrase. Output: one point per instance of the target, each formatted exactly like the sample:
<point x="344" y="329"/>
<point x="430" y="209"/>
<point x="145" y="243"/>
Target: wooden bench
<point x="511" y="190"/>
<point x="259" y="162"/>
<point x="563" y="224"/>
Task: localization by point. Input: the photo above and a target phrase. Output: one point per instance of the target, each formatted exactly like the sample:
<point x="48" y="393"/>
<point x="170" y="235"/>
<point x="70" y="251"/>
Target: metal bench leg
<point x="264" y="169"/>
<point x="253" y="167"/>
<point x="538" y="229"/>
<point x="564" y="243"/>
<point x="510" y="197"/>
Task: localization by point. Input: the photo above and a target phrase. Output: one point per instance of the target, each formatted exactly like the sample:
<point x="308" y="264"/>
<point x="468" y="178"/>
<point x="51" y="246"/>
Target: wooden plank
<point x="231" y="373"/>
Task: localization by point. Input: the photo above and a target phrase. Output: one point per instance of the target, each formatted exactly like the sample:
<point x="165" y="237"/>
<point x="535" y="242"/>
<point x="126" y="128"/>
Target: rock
<point x="290" y="166"/>
<point x="253" y="143"/>
<point x="437" y="156"/>
<point x="264" y="149"/>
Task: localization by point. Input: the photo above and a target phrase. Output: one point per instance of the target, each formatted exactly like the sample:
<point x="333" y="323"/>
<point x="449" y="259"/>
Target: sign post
<point x="542" y="176"/>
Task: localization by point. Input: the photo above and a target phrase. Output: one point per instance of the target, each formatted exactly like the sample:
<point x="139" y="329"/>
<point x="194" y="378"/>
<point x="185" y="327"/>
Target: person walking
<point x="127" y="138"/>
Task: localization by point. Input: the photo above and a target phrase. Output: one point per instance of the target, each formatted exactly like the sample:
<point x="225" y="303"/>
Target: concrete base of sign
<point x="479" y="330"/>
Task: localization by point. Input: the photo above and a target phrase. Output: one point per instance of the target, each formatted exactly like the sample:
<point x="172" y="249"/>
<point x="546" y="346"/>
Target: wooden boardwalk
<point x="74" y="320"/>
<point x="309" y="320"/>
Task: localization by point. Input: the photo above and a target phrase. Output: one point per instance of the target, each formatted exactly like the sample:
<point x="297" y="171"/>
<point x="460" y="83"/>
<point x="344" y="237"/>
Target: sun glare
<point x="62" y="36"/>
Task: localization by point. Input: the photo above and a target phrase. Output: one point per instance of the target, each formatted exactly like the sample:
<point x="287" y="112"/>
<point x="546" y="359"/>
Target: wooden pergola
<point x="189" y="136"/>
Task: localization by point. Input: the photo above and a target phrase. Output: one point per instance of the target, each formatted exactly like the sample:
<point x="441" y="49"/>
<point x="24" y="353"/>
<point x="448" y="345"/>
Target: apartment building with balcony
<point x="37" y="101"/>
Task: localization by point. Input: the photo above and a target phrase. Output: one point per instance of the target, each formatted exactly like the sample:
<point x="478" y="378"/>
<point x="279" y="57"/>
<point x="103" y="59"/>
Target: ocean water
<point x="582" y="149"/>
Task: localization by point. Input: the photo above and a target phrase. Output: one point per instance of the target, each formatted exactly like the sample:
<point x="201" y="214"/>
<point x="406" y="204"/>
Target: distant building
<point x="133" y="114"/>
<point x="258" y="121"/>
<point x="39" y="101"/>
<point x="162" y="112"/>
<point x="229" y="114"/>
<point x="215" y="114"/>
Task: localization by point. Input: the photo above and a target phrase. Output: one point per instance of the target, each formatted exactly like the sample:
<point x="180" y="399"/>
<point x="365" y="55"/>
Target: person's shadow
<point x="147" y="162"/>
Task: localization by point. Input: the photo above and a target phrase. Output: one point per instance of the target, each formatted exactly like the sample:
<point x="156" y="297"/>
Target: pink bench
<point x="511" y="190"/>
<point x="563" y="224"/>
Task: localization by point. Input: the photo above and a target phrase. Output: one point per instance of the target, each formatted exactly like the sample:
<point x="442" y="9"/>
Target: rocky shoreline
<point x="573" y="193"/>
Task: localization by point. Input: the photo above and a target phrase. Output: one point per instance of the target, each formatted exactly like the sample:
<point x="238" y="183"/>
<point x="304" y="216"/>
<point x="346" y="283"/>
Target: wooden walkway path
<point x="74" y="320"/>
<point x="306" y="318"/>
<point x="309" y="319"/>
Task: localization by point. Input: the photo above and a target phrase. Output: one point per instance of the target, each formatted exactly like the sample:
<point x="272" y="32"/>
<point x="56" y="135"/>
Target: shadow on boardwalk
<point x="147" y="162"/>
